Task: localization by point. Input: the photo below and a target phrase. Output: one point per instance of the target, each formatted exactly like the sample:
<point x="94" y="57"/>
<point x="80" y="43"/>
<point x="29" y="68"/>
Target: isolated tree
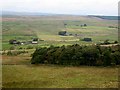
<point x="85" y="25"/>
<point x="115" y="42"/>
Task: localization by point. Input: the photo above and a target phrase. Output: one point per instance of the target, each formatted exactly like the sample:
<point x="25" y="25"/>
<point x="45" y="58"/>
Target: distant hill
<point x="108" y="17"/>
<point x="12" y="13"/>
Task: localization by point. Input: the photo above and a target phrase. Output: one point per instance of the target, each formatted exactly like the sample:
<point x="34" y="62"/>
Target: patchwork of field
<point x="24" y="28"/>
<point x="18" y="73"/>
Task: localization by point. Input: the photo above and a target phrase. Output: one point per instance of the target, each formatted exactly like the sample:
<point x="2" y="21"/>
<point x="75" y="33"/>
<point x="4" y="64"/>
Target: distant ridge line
<point x="13" y="13"/>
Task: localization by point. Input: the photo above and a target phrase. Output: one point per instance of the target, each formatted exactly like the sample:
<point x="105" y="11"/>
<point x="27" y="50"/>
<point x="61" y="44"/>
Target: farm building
<point x="35" y="41"/>
<point x="87" y="39"/>
<point x="14" y="42"/>
<point x="63" y="33"/>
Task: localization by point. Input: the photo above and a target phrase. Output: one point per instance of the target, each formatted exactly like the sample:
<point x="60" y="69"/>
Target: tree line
<point x="76" y="55"/>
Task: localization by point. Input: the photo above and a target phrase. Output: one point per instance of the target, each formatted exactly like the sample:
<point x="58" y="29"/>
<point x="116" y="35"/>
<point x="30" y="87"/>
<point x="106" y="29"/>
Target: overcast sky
<point x="78" y="7"/>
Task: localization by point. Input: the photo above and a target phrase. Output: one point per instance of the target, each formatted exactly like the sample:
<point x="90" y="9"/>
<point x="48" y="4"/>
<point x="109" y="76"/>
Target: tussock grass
<point x="49" y="76"/>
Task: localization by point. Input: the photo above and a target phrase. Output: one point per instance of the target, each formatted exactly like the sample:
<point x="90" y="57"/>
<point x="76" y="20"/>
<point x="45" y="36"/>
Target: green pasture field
<point x="19" y="73"/>
<point x="46" y="28"/>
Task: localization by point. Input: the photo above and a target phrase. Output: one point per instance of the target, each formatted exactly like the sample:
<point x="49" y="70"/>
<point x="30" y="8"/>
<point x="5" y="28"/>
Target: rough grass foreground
<point x="51" y="76"/>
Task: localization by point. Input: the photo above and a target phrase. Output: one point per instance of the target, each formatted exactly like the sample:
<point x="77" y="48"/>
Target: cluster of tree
<point x="112" y="27"/>
<point x="35" y="39"/>
<point x="77" y="55"/>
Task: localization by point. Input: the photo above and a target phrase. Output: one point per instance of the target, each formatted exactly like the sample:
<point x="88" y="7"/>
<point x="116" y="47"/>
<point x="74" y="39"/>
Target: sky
<point x="77" y="7"/>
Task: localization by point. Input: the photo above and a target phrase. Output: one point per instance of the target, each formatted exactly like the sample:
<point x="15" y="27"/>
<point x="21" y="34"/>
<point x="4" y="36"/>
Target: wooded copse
<point x="76" y="55"/>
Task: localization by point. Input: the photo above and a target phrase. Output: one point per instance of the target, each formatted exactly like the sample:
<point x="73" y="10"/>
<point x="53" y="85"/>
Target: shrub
<point x="20" y="48"/>
<point x="9" y="53"/>
<point x="29" y="47"/>
<point x="115" y="42"/>
<point x="15" y="53"/>
<point x="106" y="42"/>
<point x="12" y="48"/>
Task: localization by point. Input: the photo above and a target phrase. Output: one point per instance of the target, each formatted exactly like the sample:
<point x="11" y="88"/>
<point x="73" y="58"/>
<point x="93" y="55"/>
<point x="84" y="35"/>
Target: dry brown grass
<point x="19" y="73"/>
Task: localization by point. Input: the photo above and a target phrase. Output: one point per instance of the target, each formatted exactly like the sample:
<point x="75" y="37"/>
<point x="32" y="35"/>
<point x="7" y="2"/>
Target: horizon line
<point x="34" y="12"/>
